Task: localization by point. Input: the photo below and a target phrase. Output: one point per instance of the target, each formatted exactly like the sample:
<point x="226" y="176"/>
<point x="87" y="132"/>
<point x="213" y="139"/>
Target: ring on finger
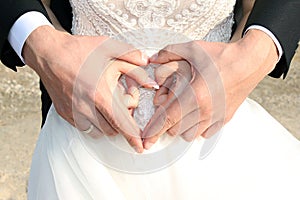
<point x="89" y="130"/>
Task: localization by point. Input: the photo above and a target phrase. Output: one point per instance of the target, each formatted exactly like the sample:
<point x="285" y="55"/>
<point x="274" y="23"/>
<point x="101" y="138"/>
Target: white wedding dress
<point x="252" y="157"/>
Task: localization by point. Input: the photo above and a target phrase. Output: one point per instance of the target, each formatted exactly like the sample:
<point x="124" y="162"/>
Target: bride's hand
<point x="223" y="75"/>
<point x="173" y="77"/>
<point x="81" y="76"/>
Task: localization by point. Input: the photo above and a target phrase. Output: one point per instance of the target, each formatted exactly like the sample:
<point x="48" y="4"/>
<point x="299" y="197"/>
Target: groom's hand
<point x="81" y="75"/>
<point x="223" y="75"/>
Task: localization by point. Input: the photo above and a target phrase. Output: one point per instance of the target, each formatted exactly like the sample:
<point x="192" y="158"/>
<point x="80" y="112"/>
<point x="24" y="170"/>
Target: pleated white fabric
<point x="255" y="158"/>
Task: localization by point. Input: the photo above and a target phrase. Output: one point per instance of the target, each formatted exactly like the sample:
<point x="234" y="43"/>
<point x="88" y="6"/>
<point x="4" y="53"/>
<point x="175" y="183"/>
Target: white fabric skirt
<point x="255" y="158"/>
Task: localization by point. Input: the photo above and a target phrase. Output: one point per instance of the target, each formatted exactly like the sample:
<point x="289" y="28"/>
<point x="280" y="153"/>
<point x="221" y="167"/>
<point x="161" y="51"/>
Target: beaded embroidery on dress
<point x="192" y="18"/>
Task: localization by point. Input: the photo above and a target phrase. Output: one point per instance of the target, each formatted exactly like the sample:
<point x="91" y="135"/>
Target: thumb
<point x="137" y="73"/>
<point x="125" y="52"/>
<point x="132" y="96"/>
<point x="162" y="94"/>
<point x="135" y="57"/>
<point x="168" y="54"/>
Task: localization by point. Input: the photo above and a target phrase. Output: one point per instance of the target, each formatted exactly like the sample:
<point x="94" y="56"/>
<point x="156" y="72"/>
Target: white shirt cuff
<point x="271" y="35"/>
<point x="22" y="28"/>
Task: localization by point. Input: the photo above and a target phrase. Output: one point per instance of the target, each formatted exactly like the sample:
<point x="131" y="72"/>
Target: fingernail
<point x="148" y="145"/>
<point x="152" y="83"/>
<point x="156" y="86"/>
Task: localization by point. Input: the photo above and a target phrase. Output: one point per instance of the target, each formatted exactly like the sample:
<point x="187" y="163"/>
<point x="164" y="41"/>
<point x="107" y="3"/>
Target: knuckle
<point x="137" y="72"/>
<point x="130" y="139"/>
<point x="172" y="132"/>
<point x="108" y="117"/>
<point x="134" y="91"/>
<point x="109" y="134"/>
<point x="169" y="121"/>
<point x="206" y="113"/>
<point x="192" y="134"/>
<point x="112" y="122"/>
<point x="134" y="103"/>
<point x="193" y="45"/>
<point x="169" y="48"/>
<point x="63" y="112"/>
<point x="187" y="138"/>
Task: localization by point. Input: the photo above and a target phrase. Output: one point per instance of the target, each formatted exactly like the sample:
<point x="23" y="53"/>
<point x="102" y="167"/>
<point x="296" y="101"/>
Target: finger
<point x="84" y="124"/>
<point x="79" y="122"/>
<point x="182" y="69"/>
<point x="135" y="143"/>
<point x="101" y="126"/>
<point x="130" y="100"/>
<point x="126" y="52"/>
<point x="214" y="128"/>
<point x="184" y="127"/>
<point x="109" y="100"/>
<point x="123" y="122"/>
<point x="191" y="130"/>
<point x="65" y="112"/>
<point x="164" y="71"/>
<point x="85" y="113"/>
<point x="173" y="52"/>
<point x="192" y="133"/>
<point x="174" y="76"/>
<point x="136" y="57"/>
<point x="95" y="133"/>
<point x="116" y="113"/>
<point x="127" y="98"/>
<point x="133" y="94"/>
<point x="187" y="122"/>
<point x="135" y="72"/>
<point x="168" y="115"/>
<point x="162" y="94"/>
<point x="200" y="130"/>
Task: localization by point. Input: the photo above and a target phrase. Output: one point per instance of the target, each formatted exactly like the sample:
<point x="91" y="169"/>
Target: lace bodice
<point x="192" y="18"/>
<point x="153" y="24"/>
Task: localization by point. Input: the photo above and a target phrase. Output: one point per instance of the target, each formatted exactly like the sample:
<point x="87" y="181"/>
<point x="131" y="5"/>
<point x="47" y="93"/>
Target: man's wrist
<point x="40" y="45"/>
<point x="271" y="35"/>
<point x="260" y="49"/>
<point x="23" y="27"/>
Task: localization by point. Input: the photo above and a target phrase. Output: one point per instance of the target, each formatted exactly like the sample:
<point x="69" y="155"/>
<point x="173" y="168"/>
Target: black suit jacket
<point x="280" y="17"/>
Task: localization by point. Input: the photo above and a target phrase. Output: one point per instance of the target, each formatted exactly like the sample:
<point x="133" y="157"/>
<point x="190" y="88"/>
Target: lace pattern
<point x="193" y="18"/>
<point x="152" y="24"/>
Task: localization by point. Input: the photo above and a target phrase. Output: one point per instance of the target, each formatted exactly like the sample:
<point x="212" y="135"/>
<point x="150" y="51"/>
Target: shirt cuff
<point x="22" y="28"/>
<point x="271" y="35"/>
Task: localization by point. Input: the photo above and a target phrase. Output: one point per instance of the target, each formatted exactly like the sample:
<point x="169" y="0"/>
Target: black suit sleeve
<point x="10" y="11"/>
<point x="63" y="12"/>
<point x="282" y="18"/>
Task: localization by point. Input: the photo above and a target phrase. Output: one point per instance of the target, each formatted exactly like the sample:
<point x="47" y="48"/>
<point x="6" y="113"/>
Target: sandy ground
<point x="20" y="119"/>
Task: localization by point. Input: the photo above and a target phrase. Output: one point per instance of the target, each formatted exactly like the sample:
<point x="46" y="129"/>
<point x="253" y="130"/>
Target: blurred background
<point x="20" y="119"/>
